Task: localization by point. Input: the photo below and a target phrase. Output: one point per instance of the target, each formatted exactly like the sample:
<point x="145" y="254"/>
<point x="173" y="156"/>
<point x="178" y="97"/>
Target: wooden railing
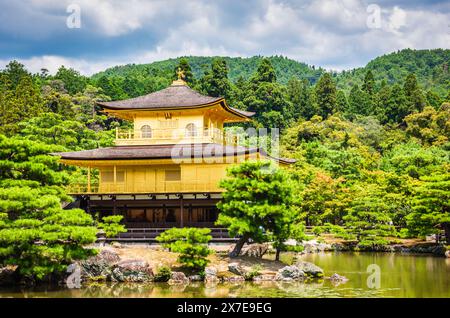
<point x="82" y="188"/>
<point x="165" y="135"/>
<point x="169" y="187"/>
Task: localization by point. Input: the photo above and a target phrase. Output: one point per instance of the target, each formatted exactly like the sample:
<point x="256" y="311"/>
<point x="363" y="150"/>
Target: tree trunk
<point x="277" y="255"/>
<point x="237" y="248"/>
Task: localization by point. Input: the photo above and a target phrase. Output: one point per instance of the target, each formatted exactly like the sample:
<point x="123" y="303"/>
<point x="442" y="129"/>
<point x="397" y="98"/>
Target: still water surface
<point x="400" y="276"/>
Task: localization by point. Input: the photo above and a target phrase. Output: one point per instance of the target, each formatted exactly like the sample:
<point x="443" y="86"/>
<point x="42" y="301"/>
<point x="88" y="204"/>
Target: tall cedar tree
<point x="325" y="91"/>
<point x="215" y="82"/>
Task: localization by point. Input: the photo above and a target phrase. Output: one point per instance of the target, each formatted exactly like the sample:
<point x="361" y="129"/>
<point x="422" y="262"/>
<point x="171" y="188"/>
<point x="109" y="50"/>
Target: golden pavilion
<point x="165" y="171"/>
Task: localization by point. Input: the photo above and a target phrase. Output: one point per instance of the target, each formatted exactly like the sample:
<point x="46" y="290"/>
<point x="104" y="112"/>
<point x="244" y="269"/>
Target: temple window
<point x="191" y="130"/>
<point x="146" y="131"/>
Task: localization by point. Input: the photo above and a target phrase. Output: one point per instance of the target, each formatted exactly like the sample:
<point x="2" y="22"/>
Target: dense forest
<point x="372" y="144"/>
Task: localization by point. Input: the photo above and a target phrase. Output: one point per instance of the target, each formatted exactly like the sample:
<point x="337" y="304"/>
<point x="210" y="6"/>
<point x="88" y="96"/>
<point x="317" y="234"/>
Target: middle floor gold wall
<point x="190" y="177"/>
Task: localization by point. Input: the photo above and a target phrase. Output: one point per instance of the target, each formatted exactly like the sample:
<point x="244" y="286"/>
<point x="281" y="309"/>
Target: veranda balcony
<point x="128" y="137"/>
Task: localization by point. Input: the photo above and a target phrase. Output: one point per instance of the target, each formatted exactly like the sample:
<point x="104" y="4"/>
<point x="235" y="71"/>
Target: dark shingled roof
<point x="178" y="96"/>
<point x="177" y="151"/>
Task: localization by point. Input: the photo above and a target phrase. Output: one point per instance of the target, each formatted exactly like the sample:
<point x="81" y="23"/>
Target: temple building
<point x="165" y="171"/>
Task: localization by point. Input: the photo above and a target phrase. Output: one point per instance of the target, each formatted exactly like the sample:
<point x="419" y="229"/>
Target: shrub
<point x="163" y="275"/>
<point x="255" y="271"/>
<point x="111" y="225"/>
<point x="191" y="243"/>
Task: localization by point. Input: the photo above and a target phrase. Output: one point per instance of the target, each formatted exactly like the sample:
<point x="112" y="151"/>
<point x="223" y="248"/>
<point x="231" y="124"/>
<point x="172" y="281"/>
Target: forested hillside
<point x="238" y="67"/>
<point x="430" y="66"/>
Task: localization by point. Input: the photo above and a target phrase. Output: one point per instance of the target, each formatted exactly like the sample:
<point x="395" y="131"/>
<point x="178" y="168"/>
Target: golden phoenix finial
<point x="180" y="74"/>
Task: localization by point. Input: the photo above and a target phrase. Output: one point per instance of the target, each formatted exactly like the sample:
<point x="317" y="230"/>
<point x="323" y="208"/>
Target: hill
<point x="430" y="67"/>
<point x="238" y="66"/>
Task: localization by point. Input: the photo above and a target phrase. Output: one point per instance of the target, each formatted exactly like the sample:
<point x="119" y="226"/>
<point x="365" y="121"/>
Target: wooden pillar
<point x="89" y="180"/>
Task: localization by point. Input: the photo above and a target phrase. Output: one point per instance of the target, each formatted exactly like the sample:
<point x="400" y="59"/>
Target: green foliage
<point x="428" y="65"/>
<point x="20" y="97"/>
<point x="337" y="230"/>
<point x="191" y="243"/>
<point x="73" y="81"/>
<point x="367" y="219"/>
<point x="414" y="160"/>
<point x="36" y="234"/>
<point x="111" y="225"/>
<point x="254" y="271"/>
<point x="258" y="204"/>
<point x="432" y="204"/>
<point x="215" y="81"/>
<point x="325" y="91"/>
<point x="163" y="274"/>
<point x="431" y="127"/>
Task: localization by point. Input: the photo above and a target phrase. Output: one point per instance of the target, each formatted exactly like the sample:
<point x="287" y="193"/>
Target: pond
<point x="369" y="274"/>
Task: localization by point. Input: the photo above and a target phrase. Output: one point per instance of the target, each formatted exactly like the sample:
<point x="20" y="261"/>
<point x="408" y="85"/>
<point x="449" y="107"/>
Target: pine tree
<point x="415" y="101"/>
<point x="396" y="107"/>
<point x="433" y="99"/>
<point x="325" y="91"/>
<point x="265" y="73"/>
<point x="341" y="102"/>
<point x="215" y="82"/>
<point x="368" y="219"/>
<point x="258" y="204"/>
<point x="369" y="83"/>
<point x="359" y="102"/>
<point x="432" y="205"/>
<point x="73" y="81"/>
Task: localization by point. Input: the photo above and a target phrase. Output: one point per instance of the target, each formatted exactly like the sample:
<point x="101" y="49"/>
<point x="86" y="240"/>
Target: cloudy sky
<point x="335" y="34"/>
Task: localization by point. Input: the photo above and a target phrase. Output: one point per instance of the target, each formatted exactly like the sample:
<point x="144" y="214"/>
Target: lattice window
<point x="146" y="131"/>
<point x="191" y="130"/>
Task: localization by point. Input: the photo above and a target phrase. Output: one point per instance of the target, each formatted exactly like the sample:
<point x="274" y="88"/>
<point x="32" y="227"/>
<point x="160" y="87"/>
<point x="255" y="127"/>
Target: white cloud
<point x="329" y="33"/>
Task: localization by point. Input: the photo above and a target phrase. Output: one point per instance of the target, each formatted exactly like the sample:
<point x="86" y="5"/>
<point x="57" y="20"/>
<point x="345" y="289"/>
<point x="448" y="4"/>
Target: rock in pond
<point x="310" y="269"/>
<point x="178" y="278"/>
<point x="233" y="279"/>
<point x="338" y="278"/>
<point x="136" y="271"/>
<point x="195" y="278"/>
<point x="255" y="250"/>
<point x="211" y="271"/>
<point x="266" y="277"/>
<point x="290" y="273"/>
<point x="211" y="275"/>
<point x="99" y="266"/>
<point x="237" y="269"/>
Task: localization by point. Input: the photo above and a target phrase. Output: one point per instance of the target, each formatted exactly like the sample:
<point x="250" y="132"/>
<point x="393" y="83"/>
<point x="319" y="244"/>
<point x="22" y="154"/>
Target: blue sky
<point x="335" y="34"/>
